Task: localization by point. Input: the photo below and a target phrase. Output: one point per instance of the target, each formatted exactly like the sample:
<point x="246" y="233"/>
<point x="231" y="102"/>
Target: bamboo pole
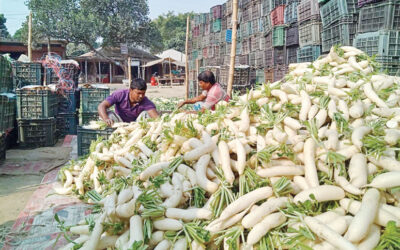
<point x="187" y="59"/>
<point x="233" y="47"/>
<point x="30" y="36"/>
<point x="170" y="70"/>
<point x="129" y="71"/>
<point x="197" y="73"/>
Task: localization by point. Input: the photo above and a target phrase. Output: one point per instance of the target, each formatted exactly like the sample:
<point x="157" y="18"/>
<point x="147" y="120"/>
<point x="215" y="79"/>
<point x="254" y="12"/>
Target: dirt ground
<point x="17" y="186"/>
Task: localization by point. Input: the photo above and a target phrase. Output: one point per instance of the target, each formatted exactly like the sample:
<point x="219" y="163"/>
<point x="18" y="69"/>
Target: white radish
<point x="387" y="163"/>
<point x="189" y="214"/>
<point x="241" y="157"/>
<point x="280" y="171"/>
<point x="305" y="105"/>
<point x="358" y="171"/>
<point x="328" y="234"/>
<point x="260" y="229"/>
<point x="244" y="120"/>
<point x="243" y="202"/>
<point x="152" y="170"/>
<point x="310" y="169"/>
<point x="358" y="134"/>
<point x="263" y="210"/>
<point x="365" y="216"/>
<point x="370" y="93"/>
<point x="201" y="177"/>
<point x="180" y="244"/>
<point x="321" y="193"/>
<point x="386" y="180"/>
<point x="371" y="240"/>
<point x="167" y="224"/>
<point x="163" y="245"/>
<point x="135" y="229"/>
<point x="225" y="161"/>
<point x="96" y="234"/>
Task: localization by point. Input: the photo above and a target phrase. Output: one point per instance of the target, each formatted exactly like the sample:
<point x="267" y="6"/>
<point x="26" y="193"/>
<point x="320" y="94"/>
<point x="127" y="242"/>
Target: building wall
<point x="16" y="49"/>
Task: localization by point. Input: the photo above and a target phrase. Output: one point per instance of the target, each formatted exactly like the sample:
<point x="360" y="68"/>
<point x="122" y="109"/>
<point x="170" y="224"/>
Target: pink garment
<point x="214" y="95"/>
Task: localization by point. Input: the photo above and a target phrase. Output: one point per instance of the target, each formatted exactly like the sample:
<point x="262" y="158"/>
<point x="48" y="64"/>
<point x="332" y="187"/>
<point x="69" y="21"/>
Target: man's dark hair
<point x="207" y="76"/>
<point x="139" y="84"/>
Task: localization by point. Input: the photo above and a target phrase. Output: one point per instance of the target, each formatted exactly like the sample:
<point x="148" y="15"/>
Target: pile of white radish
<point x="309" y="162"/>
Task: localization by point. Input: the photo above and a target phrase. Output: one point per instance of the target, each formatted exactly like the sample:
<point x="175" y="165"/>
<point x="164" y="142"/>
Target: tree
<point x="173" y="30"/>
<point x="3" y="29"/>
<point x="87" y="21"/>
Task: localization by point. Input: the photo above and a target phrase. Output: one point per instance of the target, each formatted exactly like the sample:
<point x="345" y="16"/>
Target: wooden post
<point x="110" y="73"/>
<point x="233" y="47"/>
<point x="170" y="71"/>
<point x="30" y="36"/>
<point x="187" y="59"/>
<point x="129" y="71"/>
<point x="86" y="70"/>
<point x="197" y="73"/>
<point x="48" y="46"/>
<point x="99" y="72"/>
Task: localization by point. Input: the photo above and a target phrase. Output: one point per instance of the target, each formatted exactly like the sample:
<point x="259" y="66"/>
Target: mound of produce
<point x="309" y="162"/>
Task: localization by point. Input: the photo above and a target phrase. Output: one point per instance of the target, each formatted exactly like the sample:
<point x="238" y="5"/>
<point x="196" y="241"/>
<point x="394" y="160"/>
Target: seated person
<point x="129" y="104"/>
<point x="211" y="95"/>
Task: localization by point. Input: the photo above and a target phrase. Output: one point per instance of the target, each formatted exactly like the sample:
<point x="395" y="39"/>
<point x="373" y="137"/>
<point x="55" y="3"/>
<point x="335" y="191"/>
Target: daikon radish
<point x="365" y="216"/>
<point x="163" y="245"/>
<point x="386" y="180"/>
<point x="156" y="237"/>
<point x="392" y="136"/>
<point x="152" y="170"/>
<point x="167" y="224"/>
<point x="135" y="229"/>
<point x="281" y="171"/>
<point x="260" y="229"/>
<point x="206" y="148"/>
<point x="370" y="93"/>
<point x="242" y="202"/>
<point x="305" y="105"/>
<point x="241" y="157"/>
<point x="358" y="171"/>
<point x="310" y="170"/>
<point x="83" y="229"/>
<point x="358" y="135"/>
<point x="382" y="216"/>
<point x="387" y="163"/>
<point x="321" y="193"/>
<point x="301" y="182"/>
<point x="328" y="234"/>
<point x="180" y="244"/>
<point x="244" y="120"/>
<point x="225" y="161"/>
<point x="371" y="240"/>
<point x="263" y="210"/>
<point x="80" y="240"/>
<point x="189" y="173"/>
<point x="124" y="196"/>
<point x="189" y="214"/>
<point x="96" y="234"/>
<point x="201" y="178"/>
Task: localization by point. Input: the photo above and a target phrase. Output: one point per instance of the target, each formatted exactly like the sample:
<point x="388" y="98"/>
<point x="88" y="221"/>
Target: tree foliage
<point x="173" y="30"/>
<point x="3" y="29"/>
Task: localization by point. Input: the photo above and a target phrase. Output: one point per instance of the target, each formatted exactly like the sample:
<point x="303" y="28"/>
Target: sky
<point x="15" y="10"/>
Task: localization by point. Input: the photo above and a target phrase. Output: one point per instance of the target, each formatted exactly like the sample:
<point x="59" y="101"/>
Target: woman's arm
<point x="199" y="98"/>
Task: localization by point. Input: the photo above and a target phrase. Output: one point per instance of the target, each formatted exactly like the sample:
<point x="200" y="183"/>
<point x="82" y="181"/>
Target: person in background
<point x="211" y="95"/>
<point x="129" y="104"/>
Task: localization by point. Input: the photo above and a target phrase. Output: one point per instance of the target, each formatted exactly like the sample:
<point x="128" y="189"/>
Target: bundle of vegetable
<point x="311" y="161"/>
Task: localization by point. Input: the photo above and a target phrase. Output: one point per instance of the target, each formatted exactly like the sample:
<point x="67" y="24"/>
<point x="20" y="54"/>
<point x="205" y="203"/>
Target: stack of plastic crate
<point x="292" y="31"/>
<point x="91" y="97"/>
<point x="309" y="30"/>
<point x="379" y="33"/>
<point x="339" y="21"/>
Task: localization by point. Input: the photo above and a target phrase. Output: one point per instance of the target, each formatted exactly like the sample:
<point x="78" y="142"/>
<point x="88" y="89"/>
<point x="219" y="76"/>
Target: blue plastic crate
<point x="381" y="43"/>
<point x="308" y="53"/>
<point x="384" y="15"/>
<point x="336" y="10"/>
<point x="68" y="101"/>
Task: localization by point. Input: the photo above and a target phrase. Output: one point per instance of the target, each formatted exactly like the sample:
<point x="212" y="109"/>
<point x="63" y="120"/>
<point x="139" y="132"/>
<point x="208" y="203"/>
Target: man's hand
<point x="109" y="122"/>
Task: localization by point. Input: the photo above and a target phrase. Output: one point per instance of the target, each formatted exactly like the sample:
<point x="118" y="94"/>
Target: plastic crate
<point x="335" y="10"/>
<point x="6" y="81"/>
<point x="217" y="25"/>
<point x="2" y="146"/>
<point x="279" y="56"/>
<point x="27" y="74"/>
<point x="361" y="3"/>
<point x="92" y="97"/>
<point x="266" y="7"/>
<point x="310" y="34"/>
<point x="87" y="117"/>
<point x="278" y="15"/>
<point x="391" y="64"/>
<point x="269" y="75"/>
<point x="277" y="3"/>
<point x="279" y="72"/>
<point x="383" y="43"/>
<point x="292" y="36"/>
<point x="37" y="133"/>
<point x="66" y="124"/>
<point x="385" y="15"/>
<point x="278" y="36"/>
<point x="308" y="10"/>
<point x="268" y="57"/>
<point x="291" y="13"/>
<point x="36" y="104"/>
<point x="308" y="53"/>
<point x="291" y="55"/>
<point x="259" y="59"/>
<point x="260" y="77"/>
<point x="87" y="136"/>
<point x="216" y="12"/>
<point x="68" y="101"/>
<point x="338" y="33"/>
<point x="7" y="111"/>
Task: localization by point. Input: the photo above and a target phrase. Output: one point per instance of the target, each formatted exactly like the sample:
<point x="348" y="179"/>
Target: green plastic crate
<point x="6" y="83"/>
<point x="2" y="146"/>
<point x="217" y="25"/>
<point x="87" y="136"/>
<point x="308" y="53"/>
<point x="7" y="111"/>
<point x="92" y="97"/>
<point x="27" y="74"/>
<point x="335" y="10"/>
<point x="384" y="15"/>
<point x="35" y="133"/>
<point x="88" y="116"/>
<point x="338" y="33"/>
<point x="390" y="64"/>
<point x="382" y="43"/>
<point x="36" y="104"/>
<point x="67" y="124"/>
<point x="278" y="36"/>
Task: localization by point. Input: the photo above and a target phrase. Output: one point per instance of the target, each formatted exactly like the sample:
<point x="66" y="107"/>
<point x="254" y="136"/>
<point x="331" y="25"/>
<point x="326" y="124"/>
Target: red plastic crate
<point x="278" y="15"/>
